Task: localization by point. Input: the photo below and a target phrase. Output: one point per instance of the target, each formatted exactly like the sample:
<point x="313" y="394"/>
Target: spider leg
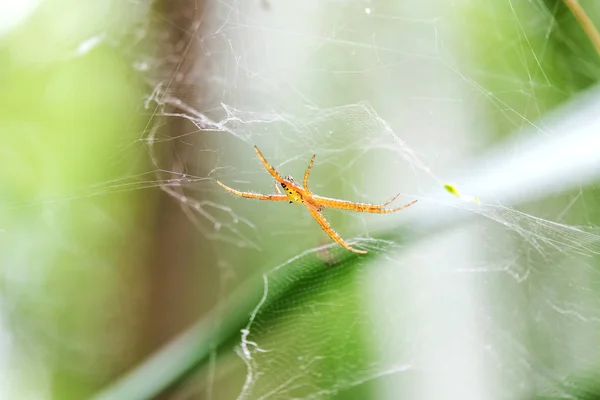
<point x="398" y="208"/>
<point x="277" y="188"/>
<point x="305" y="182"/>
<point x="249" y="195"/>
<point x="389" y="201"/>
<point x="329" y="230"/>
<point x="360" y="207"/>
<point x="269" y="168"/>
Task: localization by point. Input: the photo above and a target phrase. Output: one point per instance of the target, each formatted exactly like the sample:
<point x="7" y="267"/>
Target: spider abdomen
<point x="292" y="193"/>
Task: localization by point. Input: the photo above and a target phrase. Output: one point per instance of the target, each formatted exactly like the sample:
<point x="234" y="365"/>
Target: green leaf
<point x="267" y="308"/>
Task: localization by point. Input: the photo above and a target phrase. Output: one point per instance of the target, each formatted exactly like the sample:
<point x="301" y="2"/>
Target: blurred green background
<point x="114" y="239"/>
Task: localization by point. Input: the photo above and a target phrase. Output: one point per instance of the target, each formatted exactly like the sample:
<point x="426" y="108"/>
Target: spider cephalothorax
<point x="295" y="193"/>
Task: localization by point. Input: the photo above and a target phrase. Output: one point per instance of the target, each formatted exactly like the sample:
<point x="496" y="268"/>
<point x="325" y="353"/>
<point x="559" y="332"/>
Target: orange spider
<point x="302" y="195"/>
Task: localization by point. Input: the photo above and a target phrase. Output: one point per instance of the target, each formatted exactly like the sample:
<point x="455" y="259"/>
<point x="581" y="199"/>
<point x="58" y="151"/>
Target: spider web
<point x="506" y="299"/>
<point x="490" y="294"/>
<point x="501" y="302"/>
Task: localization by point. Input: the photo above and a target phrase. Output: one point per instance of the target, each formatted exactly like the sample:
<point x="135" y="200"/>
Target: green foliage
<point x="293" y="305"/>
<point x="64" y="122"/>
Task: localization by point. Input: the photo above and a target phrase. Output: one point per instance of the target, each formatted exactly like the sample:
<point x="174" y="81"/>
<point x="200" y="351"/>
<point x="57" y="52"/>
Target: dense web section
<point x="498" y="294"/>
<point x="465" y="288"/>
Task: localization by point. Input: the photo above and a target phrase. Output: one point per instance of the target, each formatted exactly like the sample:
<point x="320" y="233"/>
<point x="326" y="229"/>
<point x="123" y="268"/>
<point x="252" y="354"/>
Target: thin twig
<point x="585" y="22"/>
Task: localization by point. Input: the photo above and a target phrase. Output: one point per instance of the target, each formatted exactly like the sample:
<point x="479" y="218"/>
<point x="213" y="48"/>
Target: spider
<point x="294" y="193"/>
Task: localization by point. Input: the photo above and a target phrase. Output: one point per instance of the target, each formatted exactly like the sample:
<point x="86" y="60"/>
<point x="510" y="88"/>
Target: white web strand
<point x="246" y="352"/>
